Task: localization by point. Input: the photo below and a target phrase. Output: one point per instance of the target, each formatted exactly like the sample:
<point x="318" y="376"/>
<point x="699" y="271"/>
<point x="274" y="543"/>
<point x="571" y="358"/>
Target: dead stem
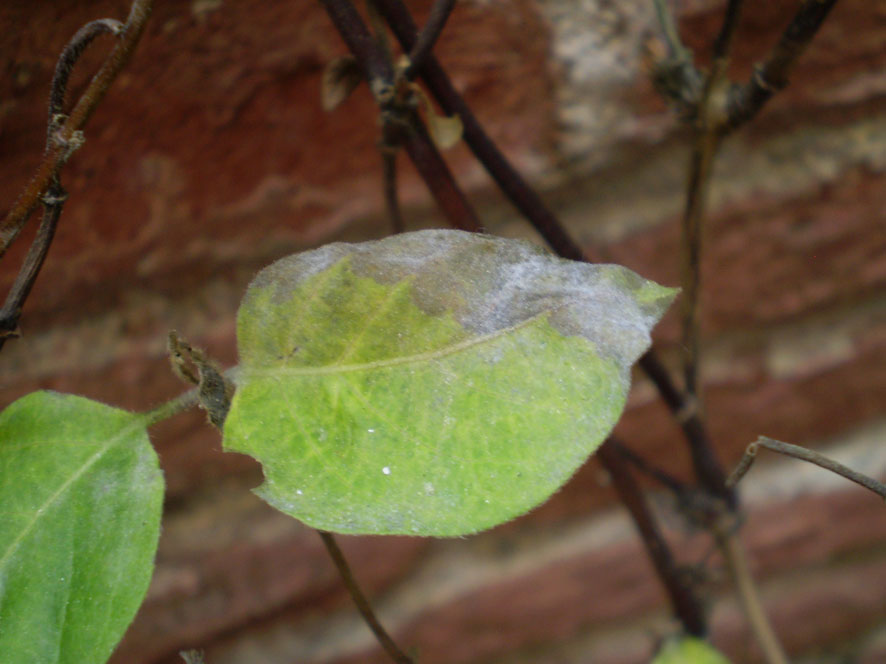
<point x="71" y="54"/>
<point x="804" y="454"/>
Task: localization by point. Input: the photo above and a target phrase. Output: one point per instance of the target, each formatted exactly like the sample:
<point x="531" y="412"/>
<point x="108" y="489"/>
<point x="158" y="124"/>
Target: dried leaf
<point x="445" y="130"/>
<point x="340" y="78"/>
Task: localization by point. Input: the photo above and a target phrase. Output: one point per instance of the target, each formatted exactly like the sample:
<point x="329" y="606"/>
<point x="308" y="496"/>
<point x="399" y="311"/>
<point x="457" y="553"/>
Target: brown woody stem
<point x="408" y="131"/>
<point x="58" y="153"/>
<point x="804" y="454"/>
<point x="360" y="600"/>
<point x="71" y="53"/>
<point x="63" y="137"/>
<point x="505" y="175"/>
<point x="428" y="36"/>
<point x="53" y="201"/>
<point x="683" y="600"/>
<point x="771" y="75"/>
<point x="389" y="175"/>
<point x="737" y="562"/>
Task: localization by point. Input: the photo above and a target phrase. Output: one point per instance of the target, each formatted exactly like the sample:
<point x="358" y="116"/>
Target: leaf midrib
<point x="48" y="503"/>
<point x="396" y="361"/>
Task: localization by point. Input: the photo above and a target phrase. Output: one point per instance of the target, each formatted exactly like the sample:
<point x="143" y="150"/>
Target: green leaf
<point x="432" y="383"/>
<point x="688" y="650"/>
<point x="80" y="499"/>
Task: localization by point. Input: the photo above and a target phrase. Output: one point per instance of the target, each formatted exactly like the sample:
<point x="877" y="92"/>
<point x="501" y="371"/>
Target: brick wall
<point x="211" y="157"/>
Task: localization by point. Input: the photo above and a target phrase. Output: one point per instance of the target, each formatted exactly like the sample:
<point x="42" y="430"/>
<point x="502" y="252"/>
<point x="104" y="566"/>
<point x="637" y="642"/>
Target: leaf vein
<point x="393" y="362"/>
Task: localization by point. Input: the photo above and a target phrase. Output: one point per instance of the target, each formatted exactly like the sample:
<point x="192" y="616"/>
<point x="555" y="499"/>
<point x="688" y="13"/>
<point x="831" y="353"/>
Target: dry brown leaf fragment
<point x="340" y="78"/>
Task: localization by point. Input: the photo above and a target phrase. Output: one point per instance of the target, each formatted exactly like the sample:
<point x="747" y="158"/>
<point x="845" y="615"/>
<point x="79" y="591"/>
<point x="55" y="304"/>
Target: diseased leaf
<point x="432" y="383"/>
<point x="688" y="650"/>
<point x="340" y="79"/>
<point x="80" y="500"/>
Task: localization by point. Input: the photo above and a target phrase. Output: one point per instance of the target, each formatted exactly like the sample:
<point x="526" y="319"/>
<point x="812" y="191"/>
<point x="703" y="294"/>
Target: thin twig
<point x="723" y="41"/>
<point x="71" y="53"/>
<point x="676" y="77"/>
<point x="696" y="504"/>
<point x="704" y="148"/>
<point x="53" y="201"/>
<point x="772" y="75"/>
<point x="676" y="49"/>
<point x="709" y="128"/>
<point x="428" y="36"/>
<point x="392" y="201"/>
<point x="684" y="603"/>
<point x="707" y="467"/>
<point x="379" y="33"/>
<point x="710" y="118"/>
<point x="665" y="479"/>
<point x="680" y="77"/>
<point x="804" y="454"/>
<point x="360" y="600"/>
<point x="65" y="137"/>
<point x="737" y="561"/>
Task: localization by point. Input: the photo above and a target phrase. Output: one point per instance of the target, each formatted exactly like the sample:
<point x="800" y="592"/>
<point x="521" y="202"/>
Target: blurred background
<point x="211" y="157"/>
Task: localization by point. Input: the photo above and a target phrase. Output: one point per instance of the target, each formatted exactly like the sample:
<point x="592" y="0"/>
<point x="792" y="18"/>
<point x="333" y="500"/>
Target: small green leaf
<point x="688" y="650"/>
<point x="80" y="499"/>
<point x="432" y="383"/>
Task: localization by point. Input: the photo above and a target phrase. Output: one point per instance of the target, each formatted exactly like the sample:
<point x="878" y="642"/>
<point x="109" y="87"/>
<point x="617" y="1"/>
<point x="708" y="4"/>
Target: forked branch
<point x="771" y="75"/>
<point x="403" y="127"/>
<point x="66" y="134"/>
<point x="428" y="36"/>
<point x="63" y="137"/>
<point x="679" y="79"/>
